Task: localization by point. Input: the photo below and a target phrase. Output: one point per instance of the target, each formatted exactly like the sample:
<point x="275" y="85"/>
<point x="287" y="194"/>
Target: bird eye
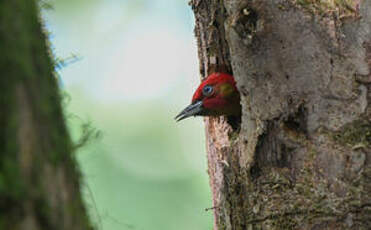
<point x="207" y="90"/>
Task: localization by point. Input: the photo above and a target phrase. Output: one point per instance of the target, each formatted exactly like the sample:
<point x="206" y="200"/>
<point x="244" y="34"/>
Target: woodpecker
<point x="217" y="95"/>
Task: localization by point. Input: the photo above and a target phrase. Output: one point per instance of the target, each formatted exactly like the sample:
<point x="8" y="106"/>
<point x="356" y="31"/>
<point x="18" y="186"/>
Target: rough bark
<point x="302" y="156"/>
<point x="39" y="182"/>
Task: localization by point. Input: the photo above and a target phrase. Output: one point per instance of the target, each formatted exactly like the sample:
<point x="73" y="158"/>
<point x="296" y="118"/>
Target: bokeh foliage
<point x="144" y="171"/>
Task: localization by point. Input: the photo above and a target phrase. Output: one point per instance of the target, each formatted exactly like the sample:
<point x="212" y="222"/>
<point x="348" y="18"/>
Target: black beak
<point x="191" y="110"/>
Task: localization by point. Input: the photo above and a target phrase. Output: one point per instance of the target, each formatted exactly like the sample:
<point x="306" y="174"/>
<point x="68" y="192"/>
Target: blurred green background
<point x="137" y="69"/>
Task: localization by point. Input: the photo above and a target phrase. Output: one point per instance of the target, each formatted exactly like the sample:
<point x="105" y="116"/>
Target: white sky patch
<point x="147" y="64"/>
<point x="147" y="58"/>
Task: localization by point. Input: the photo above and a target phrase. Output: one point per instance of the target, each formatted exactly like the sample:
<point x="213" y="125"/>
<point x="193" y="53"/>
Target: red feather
<point x="213" y="79"/>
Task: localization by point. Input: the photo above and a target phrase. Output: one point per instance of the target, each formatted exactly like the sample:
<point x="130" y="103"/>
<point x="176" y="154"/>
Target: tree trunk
<point x="301" y="158"/>
<point x="39" y="182"/>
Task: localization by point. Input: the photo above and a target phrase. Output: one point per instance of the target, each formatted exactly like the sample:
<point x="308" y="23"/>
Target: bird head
<point x="217" y="95"/>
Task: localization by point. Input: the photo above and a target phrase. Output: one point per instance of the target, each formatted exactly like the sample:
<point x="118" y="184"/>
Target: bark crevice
<point x="303" y="73"/>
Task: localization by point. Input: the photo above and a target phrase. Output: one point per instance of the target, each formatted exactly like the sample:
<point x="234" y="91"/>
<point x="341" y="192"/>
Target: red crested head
<point x="216" y="95"/>
<point x="215" y="81"/>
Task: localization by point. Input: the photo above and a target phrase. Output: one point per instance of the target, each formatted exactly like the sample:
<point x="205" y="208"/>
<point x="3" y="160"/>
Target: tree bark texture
<point x="301" y="158"/>
<point x="39" y="182"/>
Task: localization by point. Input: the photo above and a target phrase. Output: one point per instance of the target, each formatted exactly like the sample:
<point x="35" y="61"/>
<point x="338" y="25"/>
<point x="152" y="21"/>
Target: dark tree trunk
<point x="302" y="156"/>
<point x="39" y="182"/>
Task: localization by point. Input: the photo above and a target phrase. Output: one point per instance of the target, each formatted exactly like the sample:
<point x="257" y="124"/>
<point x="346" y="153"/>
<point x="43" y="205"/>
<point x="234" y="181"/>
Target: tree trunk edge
<point x="248" y="162"/>
<point x="39" y="179"/>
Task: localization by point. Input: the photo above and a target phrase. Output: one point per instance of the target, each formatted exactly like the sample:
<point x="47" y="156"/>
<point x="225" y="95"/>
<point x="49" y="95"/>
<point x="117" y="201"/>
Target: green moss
<point x="233" y="137"/>
<point x="288" y="204"/>
<point x="356" y="134"/>
<point x="341" y="8"/>
<point x="13" y="64"/>
<point x="28" y="68"/>
<point x="11" y="186"/>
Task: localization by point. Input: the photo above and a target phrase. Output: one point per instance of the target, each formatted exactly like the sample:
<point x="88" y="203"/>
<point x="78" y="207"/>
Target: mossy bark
<point x="39" y="181"/>
<point x="302" y="156"/>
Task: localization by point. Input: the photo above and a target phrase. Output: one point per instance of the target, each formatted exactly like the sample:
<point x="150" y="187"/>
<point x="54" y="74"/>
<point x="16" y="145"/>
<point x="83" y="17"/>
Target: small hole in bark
<point x="234" y="122"/>
<point x="243" y="91"/>
<point x="271" y="150"/>
<point x="287" y="77"/>
<point x="289" y="100"/>
<point x="298" y="121"/>
<point x="246" y="23"/>
<point x="255" y="171"/>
